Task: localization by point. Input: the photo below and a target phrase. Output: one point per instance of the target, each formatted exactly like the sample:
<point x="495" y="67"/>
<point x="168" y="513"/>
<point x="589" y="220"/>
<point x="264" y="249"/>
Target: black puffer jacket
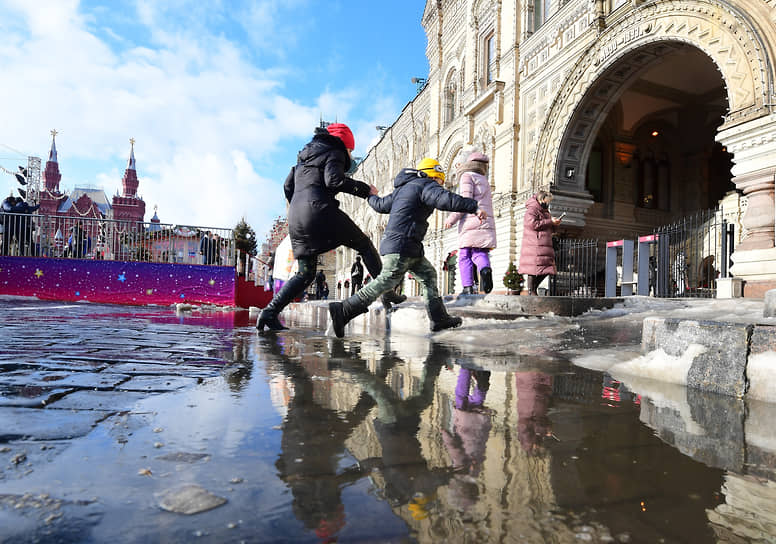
<point x="315" y="222"/>
<point x="414" y="198"/>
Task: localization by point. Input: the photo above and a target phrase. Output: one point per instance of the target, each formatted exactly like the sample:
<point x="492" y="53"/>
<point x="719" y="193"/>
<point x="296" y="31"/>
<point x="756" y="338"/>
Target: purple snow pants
<point x="468" y="258"/>
<point x="463" y="399"/>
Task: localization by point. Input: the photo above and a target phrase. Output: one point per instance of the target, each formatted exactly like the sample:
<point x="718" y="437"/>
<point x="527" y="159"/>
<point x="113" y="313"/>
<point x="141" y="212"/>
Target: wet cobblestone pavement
<point x="75" y="446"/>
<point x="126" y="424"/>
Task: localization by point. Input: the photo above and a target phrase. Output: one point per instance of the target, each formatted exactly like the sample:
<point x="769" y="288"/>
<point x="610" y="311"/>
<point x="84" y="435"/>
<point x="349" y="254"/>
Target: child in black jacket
<point x="417" y="193"/>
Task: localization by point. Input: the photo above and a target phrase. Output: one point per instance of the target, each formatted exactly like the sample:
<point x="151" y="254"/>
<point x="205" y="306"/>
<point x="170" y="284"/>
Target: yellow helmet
<point x="432" y="168"/>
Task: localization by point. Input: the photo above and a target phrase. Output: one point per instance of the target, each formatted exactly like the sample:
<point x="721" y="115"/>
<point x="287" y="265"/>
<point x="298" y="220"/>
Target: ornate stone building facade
<point x="632" y="113"/>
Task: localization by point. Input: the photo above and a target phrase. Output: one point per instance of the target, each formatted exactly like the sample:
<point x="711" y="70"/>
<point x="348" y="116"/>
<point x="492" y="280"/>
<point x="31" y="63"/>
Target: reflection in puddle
<point x="311" y="439"/>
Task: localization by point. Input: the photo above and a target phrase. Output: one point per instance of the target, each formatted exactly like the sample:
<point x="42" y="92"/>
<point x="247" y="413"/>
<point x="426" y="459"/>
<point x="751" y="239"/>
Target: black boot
<point x="438" y="316"/>
<point x="269" y="315"/>
<point x="468" y="290"/>
<point x="268" y="318"/>
<point x="486" y="279"/>
<point x="342" y="312"/>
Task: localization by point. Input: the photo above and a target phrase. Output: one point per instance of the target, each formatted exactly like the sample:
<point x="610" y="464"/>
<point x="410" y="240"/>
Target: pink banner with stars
<point x="116" y="282"/>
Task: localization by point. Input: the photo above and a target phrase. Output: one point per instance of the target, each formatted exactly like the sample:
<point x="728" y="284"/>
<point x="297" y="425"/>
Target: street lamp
<point x="420" y="82"/>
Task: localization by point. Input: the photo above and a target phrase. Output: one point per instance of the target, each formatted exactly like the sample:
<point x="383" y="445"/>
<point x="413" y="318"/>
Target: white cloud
<point x="201" y="115"/>
<point x="215" y="128"/>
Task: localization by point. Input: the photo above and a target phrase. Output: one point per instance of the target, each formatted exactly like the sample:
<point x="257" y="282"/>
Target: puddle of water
<point x="311" y="438"/>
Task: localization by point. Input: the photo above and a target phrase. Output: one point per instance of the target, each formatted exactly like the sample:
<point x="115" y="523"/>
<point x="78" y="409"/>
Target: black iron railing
<point x="579" y="268"/>
<point x="36" y="235"/>
<point x="690" y="254"/>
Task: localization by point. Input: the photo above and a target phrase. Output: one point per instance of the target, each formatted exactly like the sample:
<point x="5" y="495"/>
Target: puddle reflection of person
<point x="407" y="478"/>
<point x="467" y="441"/>
<point x="534" y="390"/>
<point x="312" y="447"/>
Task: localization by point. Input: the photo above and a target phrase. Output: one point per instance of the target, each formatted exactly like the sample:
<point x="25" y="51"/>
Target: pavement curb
<point x="723" y="366"/>
<point x="499" y="307"/>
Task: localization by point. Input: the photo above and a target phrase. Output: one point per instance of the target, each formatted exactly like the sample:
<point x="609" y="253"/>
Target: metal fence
<point x="579" y="268"/>
<point x="690" y="254"/>
<point x="107" y="239"/>
<point x="684" y="260"/>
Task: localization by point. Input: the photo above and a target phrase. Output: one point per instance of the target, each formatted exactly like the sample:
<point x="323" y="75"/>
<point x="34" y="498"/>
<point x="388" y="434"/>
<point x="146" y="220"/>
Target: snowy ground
<point x="605" y="340"/>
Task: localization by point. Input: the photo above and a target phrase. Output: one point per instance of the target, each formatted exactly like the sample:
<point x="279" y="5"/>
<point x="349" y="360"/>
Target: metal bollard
<point x="627" y="268"/>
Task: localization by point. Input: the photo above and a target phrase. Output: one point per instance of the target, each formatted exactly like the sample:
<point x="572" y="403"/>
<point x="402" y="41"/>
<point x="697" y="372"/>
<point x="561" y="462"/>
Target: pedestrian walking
<point x="417" y="193"/>
<point x="316" y="224"/>
<point x="205" y="247"/>
<point x="320" y="281"/>
<point x="537" y="256"/>
<point x="215" y="250"/>
<point x="475" y="238"/>
<point x="79" y="243"/>
<point x="356" y="275"/>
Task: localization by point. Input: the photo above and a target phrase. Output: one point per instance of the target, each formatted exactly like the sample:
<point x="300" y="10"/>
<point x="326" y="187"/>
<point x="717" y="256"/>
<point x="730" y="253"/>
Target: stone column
<point x="758" y="220"/>
<point x="753" y="145"/>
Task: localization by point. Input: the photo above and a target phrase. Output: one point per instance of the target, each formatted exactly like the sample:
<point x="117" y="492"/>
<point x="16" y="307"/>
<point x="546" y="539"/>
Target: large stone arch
<point x="626" y="49"/>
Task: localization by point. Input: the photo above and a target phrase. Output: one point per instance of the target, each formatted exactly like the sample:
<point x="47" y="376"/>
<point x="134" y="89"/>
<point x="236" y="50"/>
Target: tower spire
<point x="53" y="151"/>
<point x="51" y="175"/>
<point x="130" y="181"/>
<point x="131" y="162"/>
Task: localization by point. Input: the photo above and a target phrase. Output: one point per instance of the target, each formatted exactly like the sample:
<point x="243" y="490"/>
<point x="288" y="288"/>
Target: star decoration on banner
<point x="122" y="278"/>
<point x="38" y="272"/>
<point x="149" y="291"/>
<point x="212" y="282"/>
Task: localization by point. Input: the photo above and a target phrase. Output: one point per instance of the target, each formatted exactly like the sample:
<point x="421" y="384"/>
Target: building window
<point x="490" y="58"/>
<point x="450" y="92"/>
<point x="541" y="9"/>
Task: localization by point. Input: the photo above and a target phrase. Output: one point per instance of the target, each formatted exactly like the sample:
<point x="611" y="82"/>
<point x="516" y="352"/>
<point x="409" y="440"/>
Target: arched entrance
<point x="642" y="144"/>
<point x="659" y="78"/>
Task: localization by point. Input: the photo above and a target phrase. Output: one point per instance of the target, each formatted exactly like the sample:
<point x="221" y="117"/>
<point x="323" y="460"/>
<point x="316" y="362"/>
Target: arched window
<point x="490" y="58"/>
<point x="450" y="99"/>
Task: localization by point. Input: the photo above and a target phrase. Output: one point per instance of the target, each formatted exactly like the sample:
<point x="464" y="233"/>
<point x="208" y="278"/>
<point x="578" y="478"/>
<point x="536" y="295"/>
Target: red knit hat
<point x="341" y="131"/>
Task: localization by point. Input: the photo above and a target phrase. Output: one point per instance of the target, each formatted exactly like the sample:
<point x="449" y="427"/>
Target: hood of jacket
<point x="533" y="204"/>
<point x="322" y="143"/>
<point x="406" y="175"/>
<point x="474" y="166"/>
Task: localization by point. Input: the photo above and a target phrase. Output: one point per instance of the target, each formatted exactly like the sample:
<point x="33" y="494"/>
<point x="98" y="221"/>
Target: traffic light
<point x="21" y="177"/>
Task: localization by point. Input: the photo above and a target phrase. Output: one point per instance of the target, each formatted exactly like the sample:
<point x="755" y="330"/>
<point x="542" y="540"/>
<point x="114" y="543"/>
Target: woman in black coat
<point x="315" y="222"/>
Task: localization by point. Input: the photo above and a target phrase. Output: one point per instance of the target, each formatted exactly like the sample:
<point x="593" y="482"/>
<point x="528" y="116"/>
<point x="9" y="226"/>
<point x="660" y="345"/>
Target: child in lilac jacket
<point x="475" y="238"/>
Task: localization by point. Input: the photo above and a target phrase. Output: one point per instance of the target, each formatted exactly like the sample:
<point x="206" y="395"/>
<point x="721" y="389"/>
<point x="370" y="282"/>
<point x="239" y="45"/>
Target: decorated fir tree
<point x="245" y="242"/>
<point x="513" y="280"/>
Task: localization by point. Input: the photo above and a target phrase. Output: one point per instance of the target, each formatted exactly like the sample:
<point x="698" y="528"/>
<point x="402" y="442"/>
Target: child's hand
<point x="481" y="214"/>
<point x="373" y="190"/>
<point x="448" y="224"/>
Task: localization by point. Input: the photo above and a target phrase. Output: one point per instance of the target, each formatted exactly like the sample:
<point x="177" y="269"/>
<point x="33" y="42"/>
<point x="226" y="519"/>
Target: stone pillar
<point x="758" y="220"/>
<point x="753" y="145"/>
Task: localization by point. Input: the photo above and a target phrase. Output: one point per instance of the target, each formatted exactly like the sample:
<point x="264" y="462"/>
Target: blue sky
<point x="219" y="95"/>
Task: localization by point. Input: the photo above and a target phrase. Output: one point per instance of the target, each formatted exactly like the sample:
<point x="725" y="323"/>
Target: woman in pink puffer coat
<point x="537" y="256"/>
<point x="475" y="238"/>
